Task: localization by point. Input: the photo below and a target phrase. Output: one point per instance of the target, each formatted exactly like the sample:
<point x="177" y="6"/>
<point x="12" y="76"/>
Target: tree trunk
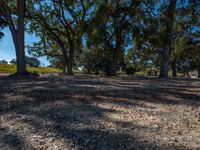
<point x="70" y="66"/>
<point x="114" y="63"/>
<point x="64" y="66"/>
<point x="20" y="52"/>
<point x="167" y="41"/>
<point x="67" y="67"/>
<point x="17" y="32"/>
<point x="174" y="72"/>
<point x="70" y="58"/>
<point x="67" y="60"/>
<point x="117" y="49"/>
<point x="64" y="70"/>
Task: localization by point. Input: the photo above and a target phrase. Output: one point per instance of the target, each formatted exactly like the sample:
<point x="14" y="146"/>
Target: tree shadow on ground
<point x="11" y="140"/>
<point x="68" y="109"/>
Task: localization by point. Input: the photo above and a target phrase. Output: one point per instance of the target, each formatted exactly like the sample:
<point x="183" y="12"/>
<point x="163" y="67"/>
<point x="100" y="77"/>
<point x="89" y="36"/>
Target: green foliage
<point x="130" y="70"/>
<point x="59" y="25"/>
<point x="3" y="24"/>
<point x="32" y="61"/>
<point x="3" y="62"/>
<point x="127" y="35"/>
<point x="91" y="59"/>
<point x="13" y="61"/>
<point x="185" y="50"/>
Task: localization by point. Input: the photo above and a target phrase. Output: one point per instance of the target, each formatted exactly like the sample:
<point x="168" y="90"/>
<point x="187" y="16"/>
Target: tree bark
<point x="174" y="72"/>
<point x="20" y="51"/>
<point x="117" y="49"/>
<point x="17" y="32"/>
<point x="114" y="63"/>
<point x="70" y="57"/>
<point x="198" y="72"/>
<point x="64" y="66"/>
<point x="70" y="66"/>
<point x="167" y="41"/>
<point x="67" y="58"/>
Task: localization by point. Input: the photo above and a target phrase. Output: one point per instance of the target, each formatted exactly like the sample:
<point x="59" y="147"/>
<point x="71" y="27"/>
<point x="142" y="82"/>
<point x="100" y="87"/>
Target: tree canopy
<point x="110" y="35"/>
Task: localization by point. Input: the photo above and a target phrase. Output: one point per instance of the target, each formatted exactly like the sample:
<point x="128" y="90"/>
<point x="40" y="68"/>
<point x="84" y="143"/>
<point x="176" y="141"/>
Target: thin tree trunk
<point x="117" y="49"/>
<point x="167" y="41"/>
<point x="174" y="72"/>
<point x="70" y="58"/>
<point x="67" y="62"/>
<point x="64" y="66"/>
<point x="114" y="63"/>
<point x="70" y="66"/>
<point x="64" y="70"/>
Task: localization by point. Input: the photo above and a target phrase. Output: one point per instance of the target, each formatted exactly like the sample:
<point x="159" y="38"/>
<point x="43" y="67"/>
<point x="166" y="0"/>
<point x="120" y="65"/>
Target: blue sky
<point x="7" y="50"/>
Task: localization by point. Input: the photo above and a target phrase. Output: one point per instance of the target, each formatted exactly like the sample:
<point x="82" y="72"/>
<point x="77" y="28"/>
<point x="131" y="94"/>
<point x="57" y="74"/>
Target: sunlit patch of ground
<point x="89" y="112"/>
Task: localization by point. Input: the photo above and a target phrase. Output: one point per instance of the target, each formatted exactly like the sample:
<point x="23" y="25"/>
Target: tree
<point x="184" y="49"/>
<point x="32" y="61"/>
<point x="109" y="31"/>
<point x="3" y="62"/>
<point x="108" y="35"/>
<point x="146" y="28"/>
<point x="92" y="60"/>
<point x="17" y="29"/>
<point x="167" y="40"/>
<point x="60" y="22"/>
<point x="13" y="61"/>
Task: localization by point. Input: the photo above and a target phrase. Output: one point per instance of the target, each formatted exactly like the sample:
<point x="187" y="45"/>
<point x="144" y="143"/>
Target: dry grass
<point x="5" y="68"/>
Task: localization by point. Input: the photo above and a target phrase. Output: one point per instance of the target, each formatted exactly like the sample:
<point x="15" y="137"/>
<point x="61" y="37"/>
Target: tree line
<point x="30" y="61"/>
<point x="107" y="35"/>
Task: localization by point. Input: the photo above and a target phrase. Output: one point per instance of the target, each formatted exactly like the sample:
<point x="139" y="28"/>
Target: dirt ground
<point x="89" y="113"/>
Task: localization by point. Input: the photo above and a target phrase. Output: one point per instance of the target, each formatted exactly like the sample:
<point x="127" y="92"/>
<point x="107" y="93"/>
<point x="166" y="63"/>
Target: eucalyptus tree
<point x="109" y="30"/>
<point x="167" y="40"/>
<point x="186" y="36"/>
<point x="59" y="22"/>
<point x="185" y="24"/>
<point x="156" y="33"/>
<point x="146" y="29"/>
<point x="13" y="12"/>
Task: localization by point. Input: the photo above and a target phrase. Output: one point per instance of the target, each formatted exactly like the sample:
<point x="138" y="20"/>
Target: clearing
<point x="89" y="112"/>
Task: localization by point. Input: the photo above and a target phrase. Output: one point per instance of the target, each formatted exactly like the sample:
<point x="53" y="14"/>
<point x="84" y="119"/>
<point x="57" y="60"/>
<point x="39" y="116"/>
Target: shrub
<point x="130" y="70"/>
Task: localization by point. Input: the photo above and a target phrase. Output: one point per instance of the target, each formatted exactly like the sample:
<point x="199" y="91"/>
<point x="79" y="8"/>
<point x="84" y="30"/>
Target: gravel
<point x="89" y="112"/>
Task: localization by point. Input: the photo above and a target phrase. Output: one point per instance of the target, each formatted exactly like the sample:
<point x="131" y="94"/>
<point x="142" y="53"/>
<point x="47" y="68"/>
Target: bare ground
<point x="88" y="112"/>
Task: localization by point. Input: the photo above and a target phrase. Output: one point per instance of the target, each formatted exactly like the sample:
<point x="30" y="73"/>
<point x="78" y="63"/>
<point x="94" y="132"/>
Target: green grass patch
<point x="12" y="69"/>
<point x="43" y="70"/>
<point x="7" y="68"/>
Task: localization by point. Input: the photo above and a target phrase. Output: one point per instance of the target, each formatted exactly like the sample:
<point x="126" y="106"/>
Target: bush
<point x="130" y="70"/>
